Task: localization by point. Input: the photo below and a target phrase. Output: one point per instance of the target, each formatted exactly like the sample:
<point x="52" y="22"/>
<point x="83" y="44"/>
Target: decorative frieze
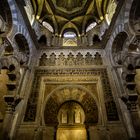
<point x="70" y="60"/>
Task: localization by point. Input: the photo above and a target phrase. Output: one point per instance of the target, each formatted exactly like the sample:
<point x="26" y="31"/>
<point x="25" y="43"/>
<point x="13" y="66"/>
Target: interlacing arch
<point x="13" y="12"/>
<point x="127" y="10"/>
<point x="23" y="45"/>
<point x="117" y="49"/>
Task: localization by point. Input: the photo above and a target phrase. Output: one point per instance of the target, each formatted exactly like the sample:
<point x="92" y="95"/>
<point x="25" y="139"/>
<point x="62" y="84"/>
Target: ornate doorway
<point x="71" y="118"/>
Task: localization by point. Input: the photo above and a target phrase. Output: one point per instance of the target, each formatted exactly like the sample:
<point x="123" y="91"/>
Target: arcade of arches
<point x="69" y="70"/>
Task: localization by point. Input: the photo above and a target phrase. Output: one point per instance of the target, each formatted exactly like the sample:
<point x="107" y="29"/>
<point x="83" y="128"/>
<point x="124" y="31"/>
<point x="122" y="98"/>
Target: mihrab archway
<point x="84" y="111"/>
<point x="75" y="93"/>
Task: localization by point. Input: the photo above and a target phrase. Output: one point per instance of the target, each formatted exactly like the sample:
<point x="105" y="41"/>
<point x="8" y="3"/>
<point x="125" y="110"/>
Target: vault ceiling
<point x="66" y="14"/>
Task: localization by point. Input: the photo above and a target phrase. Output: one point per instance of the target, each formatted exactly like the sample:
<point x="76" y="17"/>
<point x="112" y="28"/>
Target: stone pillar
<point x="25" y="71"/>
<point x="56" y="40"/>
<point x="84" y="40"/>
<point x="53" y="40"/>
<point x="7" y="123"/>
<point x="12" y="102"/>
<point x="79" y="41"/>
<point x="60" y="41"/>
<point x="127" y="120"/>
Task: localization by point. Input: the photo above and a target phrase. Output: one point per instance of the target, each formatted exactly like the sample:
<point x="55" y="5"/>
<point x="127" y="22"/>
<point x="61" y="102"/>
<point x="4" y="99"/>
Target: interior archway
<point x="23" y="48"/>
<point x="73" y="93"/>
<point x="71" y="117"/>
<point x="69" y="38"/>
<point x="117" y="47"/>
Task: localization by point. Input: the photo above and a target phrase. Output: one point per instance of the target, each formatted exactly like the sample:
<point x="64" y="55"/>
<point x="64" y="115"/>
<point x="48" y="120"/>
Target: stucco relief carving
<point x="70" y="60"/>
<point x="69" y="94"/>
<point x="61" y="60"/>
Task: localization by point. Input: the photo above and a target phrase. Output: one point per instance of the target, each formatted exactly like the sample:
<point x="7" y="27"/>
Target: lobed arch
<point x="7" y="47"/>
<point x="131" y="63"/>
<point x="8" y="61"/>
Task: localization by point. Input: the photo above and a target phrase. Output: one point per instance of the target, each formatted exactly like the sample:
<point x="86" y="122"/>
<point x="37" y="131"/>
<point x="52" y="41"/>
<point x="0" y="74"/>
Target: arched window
<point x="69" y="35"/>
<point x="48" y="26"/>
<point x="91" y="26"/>
<point x="69" y="39"/>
